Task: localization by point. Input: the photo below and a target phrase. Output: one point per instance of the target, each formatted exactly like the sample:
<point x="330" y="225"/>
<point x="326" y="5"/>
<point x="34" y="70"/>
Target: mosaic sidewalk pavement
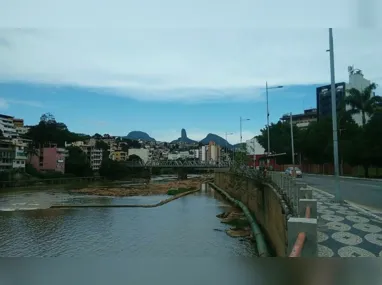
<point x="346" y="231"/>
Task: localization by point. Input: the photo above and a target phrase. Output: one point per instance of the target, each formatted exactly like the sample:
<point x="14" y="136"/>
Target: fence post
<point x="307" y="226"/>
<point x="311" y="203"/>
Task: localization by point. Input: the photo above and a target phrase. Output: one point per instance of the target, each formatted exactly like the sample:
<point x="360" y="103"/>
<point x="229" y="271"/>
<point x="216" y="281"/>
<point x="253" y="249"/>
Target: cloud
<point x="186" y="52"/>
<point x="5" y="103"/>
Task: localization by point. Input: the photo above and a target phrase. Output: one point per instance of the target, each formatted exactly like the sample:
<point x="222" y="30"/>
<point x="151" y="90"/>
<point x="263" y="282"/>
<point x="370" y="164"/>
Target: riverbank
<point x="144" y="189"/>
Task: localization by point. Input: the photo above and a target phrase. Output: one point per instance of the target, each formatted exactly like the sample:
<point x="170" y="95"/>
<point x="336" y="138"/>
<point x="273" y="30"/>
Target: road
<point x="361" y="192"/>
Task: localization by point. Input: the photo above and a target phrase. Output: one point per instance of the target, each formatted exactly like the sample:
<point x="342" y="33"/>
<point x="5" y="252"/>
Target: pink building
<point x="49" y="159"/>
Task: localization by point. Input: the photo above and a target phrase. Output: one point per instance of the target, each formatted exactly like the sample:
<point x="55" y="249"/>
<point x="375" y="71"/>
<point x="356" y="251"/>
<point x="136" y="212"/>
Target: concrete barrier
<point x="266" y="204"/>
<point x="302" y="237"/>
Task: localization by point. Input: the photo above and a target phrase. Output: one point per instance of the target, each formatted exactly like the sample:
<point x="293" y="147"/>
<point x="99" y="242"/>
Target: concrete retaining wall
<point x="266" y="204"/>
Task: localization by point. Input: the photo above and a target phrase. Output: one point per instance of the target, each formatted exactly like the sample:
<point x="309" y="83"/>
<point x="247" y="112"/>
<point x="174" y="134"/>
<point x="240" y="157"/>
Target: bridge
<point x="179" y="164"/>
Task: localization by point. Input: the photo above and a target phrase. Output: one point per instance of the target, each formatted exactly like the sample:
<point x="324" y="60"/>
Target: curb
<point x="259" y="237"/>
<point x="346" y="177"/>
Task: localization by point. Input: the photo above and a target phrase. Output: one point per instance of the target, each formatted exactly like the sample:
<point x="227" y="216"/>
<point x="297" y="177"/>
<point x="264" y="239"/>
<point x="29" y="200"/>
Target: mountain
<point x="217" y="139"/>
<point x="138" y="135"/>
<point x="183" y="138"/>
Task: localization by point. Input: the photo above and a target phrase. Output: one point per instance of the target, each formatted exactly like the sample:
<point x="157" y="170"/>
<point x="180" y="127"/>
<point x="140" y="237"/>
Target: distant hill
<point x="138" y="135"/>
<point x="184" y="139"/>
<point x="217" y="139"/>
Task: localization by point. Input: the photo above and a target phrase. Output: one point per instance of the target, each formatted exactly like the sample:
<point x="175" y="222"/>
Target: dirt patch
<point x="145" y="189"/>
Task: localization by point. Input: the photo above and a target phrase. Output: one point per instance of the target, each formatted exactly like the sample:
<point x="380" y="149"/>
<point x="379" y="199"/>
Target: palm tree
<point x="363" y="101"/>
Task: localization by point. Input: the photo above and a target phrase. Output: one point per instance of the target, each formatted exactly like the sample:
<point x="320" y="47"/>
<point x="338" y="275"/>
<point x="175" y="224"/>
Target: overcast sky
<point x="185" y="50"/>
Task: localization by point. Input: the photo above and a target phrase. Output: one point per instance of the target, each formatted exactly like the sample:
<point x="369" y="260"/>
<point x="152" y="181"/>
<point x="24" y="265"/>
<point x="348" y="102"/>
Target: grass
<point x="177" y="191"/>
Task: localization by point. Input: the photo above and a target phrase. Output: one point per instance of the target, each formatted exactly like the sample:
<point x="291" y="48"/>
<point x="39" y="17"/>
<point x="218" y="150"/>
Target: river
<point x="184" y="231"/>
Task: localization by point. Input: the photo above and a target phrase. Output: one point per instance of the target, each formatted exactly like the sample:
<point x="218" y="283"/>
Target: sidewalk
<point x="346" y="177"/>
<point x="345" y="230"/>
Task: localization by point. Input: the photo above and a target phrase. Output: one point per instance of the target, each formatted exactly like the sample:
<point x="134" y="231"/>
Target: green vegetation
<point x="358" y="145"/>
<point x="177" y="191"/>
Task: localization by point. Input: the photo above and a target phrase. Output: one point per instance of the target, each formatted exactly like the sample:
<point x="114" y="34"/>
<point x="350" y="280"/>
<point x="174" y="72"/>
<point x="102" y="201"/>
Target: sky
<point x="160" y="66"/>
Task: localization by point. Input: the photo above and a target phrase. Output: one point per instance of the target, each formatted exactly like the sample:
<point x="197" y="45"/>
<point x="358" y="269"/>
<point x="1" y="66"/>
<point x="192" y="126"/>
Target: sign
<point x="60" y="161"/>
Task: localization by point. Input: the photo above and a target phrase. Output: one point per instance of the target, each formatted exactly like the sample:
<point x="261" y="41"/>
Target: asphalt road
<point x="362" y="192"/>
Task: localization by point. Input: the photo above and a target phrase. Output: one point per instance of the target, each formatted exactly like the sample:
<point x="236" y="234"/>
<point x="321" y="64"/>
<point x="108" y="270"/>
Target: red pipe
<point x="299" y="244"/>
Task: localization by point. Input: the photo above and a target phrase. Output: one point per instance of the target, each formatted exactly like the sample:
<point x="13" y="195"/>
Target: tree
<point x="49" y="130"/>
<point x="280" y="134"/>
<point x="113" y="170"/>
<point x="76" y="163"/>
<point x="363" y="102"/>
<point x="134" y="157"/>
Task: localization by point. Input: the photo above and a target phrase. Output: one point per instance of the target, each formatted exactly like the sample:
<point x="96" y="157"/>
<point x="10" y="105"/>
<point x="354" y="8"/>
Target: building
<point x="253" y="147"/>
<point x="7" y="127"/>
<point x="302" y="120"/>
<point x="324" y="99"/>
<point x="357" y="81"/>
<point x="143" y="153"/>
<point x="120" y="155"/>
<point x="20" y="149"/>
<point x="213" y="152"/>
<point x="94" y="156"/>
<point x="173" y="156"/>
<point x="204" y="151"/>
<point x="323" y="95"/>
<point x="50" y="158"/>
<point x="7" y="155"/>
<point x="18" y="123"/>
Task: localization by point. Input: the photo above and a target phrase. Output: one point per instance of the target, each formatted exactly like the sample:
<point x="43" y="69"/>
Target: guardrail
<point x="302" y="226"/>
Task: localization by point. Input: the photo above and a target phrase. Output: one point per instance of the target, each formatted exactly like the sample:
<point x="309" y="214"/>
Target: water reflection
<point x="184" y="227"/>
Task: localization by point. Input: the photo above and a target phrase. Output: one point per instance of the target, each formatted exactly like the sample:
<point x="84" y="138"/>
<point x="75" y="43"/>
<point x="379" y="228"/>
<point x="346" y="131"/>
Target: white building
<point x="7" y="127"/>
<point x="253" y="147"/>
<point x="357" y="81"/>
<point x="143" y="153"/>
<point x="20" y="158"/>
<point x="204" y="153"/>
<point x="173" y="156"/>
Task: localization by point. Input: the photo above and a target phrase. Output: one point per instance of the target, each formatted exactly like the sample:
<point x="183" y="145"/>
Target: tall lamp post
<point x="292" y="142"/>
<point x="241" y="131"/>
<point x="337" y="198"/>
<point x="226" y="141"/>
<point x="268" y="88"/>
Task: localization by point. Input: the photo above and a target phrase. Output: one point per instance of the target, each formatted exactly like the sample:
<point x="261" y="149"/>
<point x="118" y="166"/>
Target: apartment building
<point x="94" y="156"/>
<point x="204" y="153"/>
<point x="49" y="158"/>
<point x="20" y="149"/>
<point x="120" y="155"/>
<point x="302" y="120"/>
<point x="323" y="95"/>
<point x="7" y="127"/>
<point x="213" y="152"/>
<point x="7" y="155"/>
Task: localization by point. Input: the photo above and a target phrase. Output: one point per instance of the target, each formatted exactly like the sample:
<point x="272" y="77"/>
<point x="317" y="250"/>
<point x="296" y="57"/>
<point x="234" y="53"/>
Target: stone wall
<point x="266" y="205"/>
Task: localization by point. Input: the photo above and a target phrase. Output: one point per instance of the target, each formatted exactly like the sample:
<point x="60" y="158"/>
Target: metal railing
<point x="302" y="226"/>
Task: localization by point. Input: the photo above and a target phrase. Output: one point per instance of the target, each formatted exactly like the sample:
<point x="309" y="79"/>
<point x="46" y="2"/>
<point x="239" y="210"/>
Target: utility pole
<point x="338" y="198"/>
<point x="292" y="142"/>
<point x="269" y="139"/>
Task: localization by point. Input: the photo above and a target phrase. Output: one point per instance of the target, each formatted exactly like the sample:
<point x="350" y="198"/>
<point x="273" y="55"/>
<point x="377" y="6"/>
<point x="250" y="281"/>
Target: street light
<point x="267" y="88"/>
<point x="226" y="142"/>
<point x="334" y="118"/>
<point x="241" y="132"/>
